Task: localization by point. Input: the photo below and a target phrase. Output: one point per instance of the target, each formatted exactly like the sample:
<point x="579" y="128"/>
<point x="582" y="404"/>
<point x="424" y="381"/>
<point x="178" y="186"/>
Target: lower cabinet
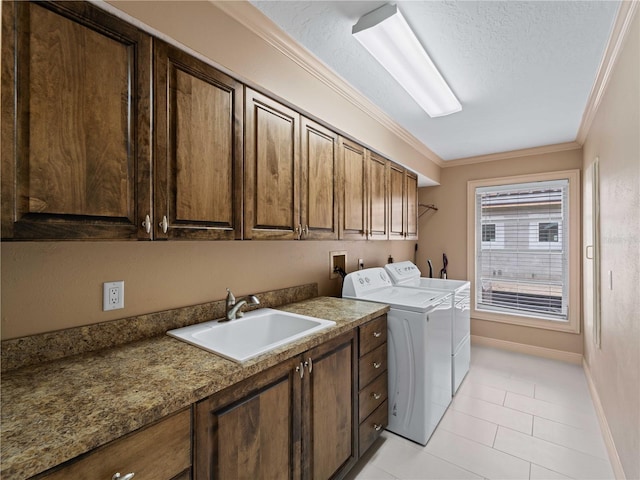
<point x="310" y="417"/>
<point x="161" y="451"/>
<point x="251" y="430"/>
<point x="372" y="382"/>
<point x="296" y="420"/>
<point x="330" y="418"/>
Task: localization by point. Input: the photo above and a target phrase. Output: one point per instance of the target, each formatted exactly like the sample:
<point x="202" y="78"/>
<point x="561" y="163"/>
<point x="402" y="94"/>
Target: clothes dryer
<point x="408" y="275"/>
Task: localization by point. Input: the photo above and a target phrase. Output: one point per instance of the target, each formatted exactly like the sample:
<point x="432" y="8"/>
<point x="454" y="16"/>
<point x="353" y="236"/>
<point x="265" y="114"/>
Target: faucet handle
<point x="231" y="299"/>
<point x="253" y="300"/>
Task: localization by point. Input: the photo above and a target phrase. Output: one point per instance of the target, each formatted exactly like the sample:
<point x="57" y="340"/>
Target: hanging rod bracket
<point x="428" y="207"/>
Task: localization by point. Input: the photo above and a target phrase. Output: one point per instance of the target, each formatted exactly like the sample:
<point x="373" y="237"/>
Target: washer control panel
<point x="402" y="271"/>
<point x="360" y="282"/>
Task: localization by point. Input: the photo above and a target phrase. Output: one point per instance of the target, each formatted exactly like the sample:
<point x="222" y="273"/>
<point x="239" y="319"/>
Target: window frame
<point x="572" y="325"/>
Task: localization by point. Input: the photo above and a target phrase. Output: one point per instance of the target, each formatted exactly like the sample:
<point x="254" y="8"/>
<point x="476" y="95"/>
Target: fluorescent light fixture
<point x="387" y="36"/>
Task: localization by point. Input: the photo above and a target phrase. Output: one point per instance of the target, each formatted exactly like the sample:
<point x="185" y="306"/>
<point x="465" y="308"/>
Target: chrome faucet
<point x="233" y="306"/>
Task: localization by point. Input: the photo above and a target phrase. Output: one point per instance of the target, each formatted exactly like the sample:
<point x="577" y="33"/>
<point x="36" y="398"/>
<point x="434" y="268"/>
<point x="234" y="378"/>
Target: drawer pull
<point x="376" y="396"/>
<point x="377" y="427"/>
<point x="377" y="334"/>
<point x="128" y="476"/>
<point x="377" y="364"/>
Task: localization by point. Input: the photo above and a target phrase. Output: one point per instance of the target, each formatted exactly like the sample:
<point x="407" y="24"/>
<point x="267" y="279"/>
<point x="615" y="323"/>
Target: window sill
<point x="571" y="326"/>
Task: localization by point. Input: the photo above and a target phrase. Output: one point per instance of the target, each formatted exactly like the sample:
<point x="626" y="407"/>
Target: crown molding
<point x="614" y="46"/>
<point x="525" y="152"/>
<point x="253" y="19"/>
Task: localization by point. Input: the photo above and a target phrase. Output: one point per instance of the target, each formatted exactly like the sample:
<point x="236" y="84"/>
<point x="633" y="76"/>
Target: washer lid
<point x="402" y="298"/>
<point x="443" y="284"/>
<point x="408" y="275"/>
<point x="374" y="285"/>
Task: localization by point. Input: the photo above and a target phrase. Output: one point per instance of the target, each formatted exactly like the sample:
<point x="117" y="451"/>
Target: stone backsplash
<point x="44" y="347"/>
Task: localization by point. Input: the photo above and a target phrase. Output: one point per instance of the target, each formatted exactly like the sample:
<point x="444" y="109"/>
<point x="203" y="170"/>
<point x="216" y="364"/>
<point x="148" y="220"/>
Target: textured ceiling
<point x="523" y="71"/>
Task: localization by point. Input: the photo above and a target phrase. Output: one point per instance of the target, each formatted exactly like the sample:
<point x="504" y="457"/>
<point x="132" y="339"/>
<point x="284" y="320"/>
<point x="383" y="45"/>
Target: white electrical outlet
<point x="113" y="296"/>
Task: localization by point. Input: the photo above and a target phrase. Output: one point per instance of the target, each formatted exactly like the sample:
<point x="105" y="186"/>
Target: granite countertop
<point x="55" y="411"/>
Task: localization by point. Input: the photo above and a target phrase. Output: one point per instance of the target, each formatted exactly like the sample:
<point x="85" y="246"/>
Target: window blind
<point x="522" y="261"/>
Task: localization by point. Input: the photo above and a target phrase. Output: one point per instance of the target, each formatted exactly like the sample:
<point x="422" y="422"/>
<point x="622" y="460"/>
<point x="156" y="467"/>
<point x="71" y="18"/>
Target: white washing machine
<point x="419" y="350"/>
<point x="408" y="275"/>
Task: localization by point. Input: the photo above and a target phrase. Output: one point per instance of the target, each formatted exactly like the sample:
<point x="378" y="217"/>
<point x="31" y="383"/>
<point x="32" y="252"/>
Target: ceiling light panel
<point x="386" y="34"/>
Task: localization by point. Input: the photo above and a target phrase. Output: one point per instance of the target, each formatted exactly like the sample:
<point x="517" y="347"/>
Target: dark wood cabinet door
<point x="251" y="430"/>
<point x="330" y="418"/>
<point x="378" y="198"/>
<point x="75" y="123"/>
<point x="397" y="201"/>
<point x="161" y="451"/>
<point x="319" y="182"/>
<point x="353" y="208"/>
<point x="198" y="141"/>
<point x="411" y="228"/>
<point x="272" y="161"/>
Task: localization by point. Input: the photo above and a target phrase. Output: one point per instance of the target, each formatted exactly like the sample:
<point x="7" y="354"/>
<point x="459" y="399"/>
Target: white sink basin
<point x="257" y="332"/>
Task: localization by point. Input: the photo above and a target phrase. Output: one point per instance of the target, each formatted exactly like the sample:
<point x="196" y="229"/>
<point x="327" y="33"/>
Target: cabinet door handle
<point x="305" y="230"/>
<point x="164" y="225"/>
<point x="376" y="396"/>
<point x="377" y="364"/>
<point x="377" y="334"/>
<point x="127" y="476"/>
<point x="299" y="231"/>
<point x="146" y="223"/>
<point x="300" y="369"/>
<point x="377" y="427"/>
<point x="309" y="364"/>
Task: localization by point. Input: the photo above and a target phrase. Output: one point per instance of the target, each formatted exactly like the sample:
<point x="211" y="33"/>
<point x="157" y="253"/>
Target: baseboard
<point x="618" y="471"/>
<point x="570" y="357"/>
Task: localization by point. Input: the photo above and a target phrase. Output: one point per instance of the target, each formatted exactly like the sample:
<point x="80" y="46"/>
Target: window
<point x="524" y="250"/>
<point x="493" y="234"/>
<point x="489" y="232"/>
<point x="547" y="232"/>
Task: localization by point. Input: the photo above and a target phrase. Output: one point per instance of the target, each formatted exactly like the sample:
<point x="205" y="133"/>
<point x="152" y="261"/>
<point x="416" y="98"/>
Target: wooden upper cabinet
<point x="403" y="200"/>
<point x="75" y="123"/>
<point x="378" y="199"/>
<point x="353" y="211"/>
<point x="198" y="149"/>
<point x="411" y="228"/>
<point x="272" y="166"/>
<point x="397" y="201"/>
<point x="319" y="182"/>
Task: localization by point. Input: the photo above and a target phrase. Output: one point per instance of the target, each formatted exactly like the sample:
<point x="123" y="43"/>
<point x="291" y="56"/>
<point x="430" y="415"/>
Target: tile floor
<point x="515" y="416"/>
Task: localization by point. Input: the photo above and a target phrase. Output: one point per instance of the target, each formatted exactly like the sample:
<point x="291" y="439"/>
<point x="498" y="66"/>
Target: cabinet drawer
<point x="372" y="396"/>
<point x="372" y="365"/>
<point x="373" y="334"/>
<point x="372" y="427"/>
<point x="161" y="451"/>
<point x="186" y="475"/>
